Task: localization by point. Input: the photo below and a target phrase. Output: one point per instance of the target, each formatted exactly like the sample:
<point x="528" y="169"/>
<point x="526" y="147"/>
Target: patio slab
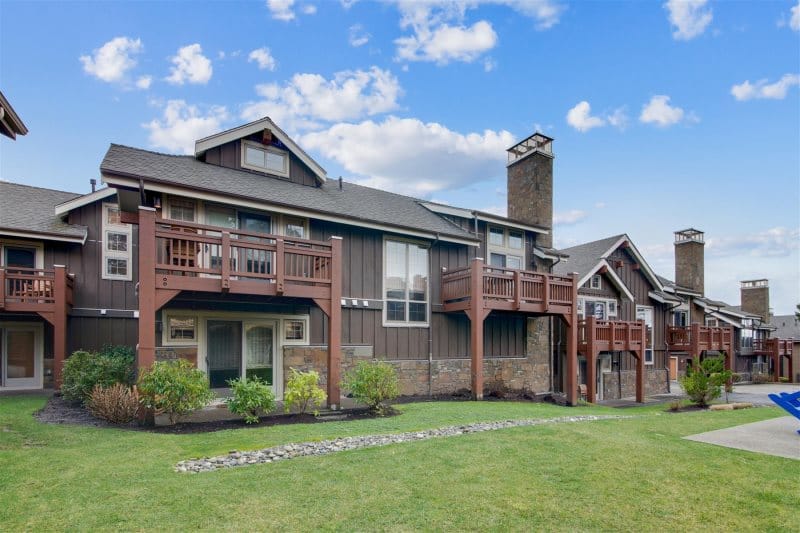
<point x="777" y="436"/>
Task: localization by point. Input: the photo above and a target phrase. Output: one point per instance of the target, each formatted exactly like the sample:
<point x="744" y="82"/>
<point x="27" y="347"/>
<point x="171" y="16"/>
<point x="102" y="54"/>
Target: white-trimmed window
<point x="265" y="158"/>
<point x="117" y="245"/>
<point x="646" y="314"/>
<point x="506" y="247"/>
<point x="295" y="330"/>
<point x="596" y="282"/>
<point x="180" y="329"/>
<point x="712" y="322"/>
<point x="680" y="318"/>
<point x="405" y="283"/>
<point x="600" y="308"/>
<point x="294" y="227"/>
<point x="183" y="209"/>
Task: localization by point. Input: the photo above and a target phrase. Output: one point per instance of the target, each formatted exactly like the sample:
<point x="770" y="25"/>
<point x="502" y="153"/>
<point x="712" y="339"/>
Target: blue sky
<point x="666" y="114"/>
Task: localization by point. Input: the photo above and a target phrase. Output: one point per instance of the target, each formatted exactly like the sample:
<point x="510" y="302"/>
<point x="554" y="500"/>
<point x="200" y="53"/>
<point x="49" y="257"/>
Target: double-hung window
<point x="506" y="247"/>
<point x="405" y="282"/>
<point x="116" y="244"/>
<point x="265" y="158"/>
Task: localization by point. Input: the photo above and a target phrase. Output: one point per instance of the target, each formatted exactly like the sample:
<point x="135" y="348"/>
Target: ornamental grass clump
<point x="374" y="383"/>
<point x="174" y="388"/>
<point x="303" y="391"/>
<point x="251" y="397"/>
<point x="118" y="404"/>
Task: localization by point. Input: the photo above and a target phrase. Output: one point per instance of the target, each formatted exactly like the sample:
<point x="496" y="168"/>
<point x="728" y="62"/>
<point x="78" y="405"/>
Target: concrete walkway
<point x="759" y="394"/>
<point x="777" y="436"/>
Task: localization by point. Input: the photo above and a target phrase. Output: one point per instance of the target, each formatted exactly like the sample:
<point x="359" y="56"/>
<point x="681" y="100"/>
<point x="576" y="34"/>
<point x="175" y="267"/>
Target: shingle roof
<point x="669" y="283"/>
<point x="352" y="201"/>
<point x="583" y="257"/>
<point x="787" y="327"/>
<point x="32" y="210"/>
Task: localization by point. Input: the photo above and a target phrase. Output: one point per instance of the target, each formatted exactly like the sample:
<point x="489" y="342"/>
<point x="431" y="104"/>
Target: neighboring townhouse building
<point x="616" y="285"/>
<point x="788" y="327"/>
<point x="10" y="123"/>
<point x="246" y="259"/>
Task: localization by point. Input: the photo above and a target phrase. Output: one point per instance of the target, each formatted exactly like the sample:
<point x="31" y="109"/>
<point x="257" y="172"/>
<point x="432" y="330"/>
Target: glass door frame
<point x="277" y="366"/>
<point x="37" y="381"/>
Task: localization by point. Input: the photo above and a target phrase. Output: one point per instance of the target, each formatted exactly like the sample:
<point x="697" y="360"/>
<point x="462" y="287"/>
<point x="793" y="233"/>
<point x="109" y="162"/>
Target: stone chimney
<point x="690" y="259"/>
<point x="530" y="184"/>
<point x="755" y="297"/>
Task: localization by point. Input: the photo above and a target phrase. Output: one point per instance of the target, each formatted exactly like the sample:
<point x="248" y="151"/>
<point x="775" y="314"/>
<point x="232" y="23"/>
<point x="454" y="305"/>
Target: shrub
<point x="783" y="379"/>
<point x="117" y="404"/>
<point x="250" y="396"/>
<point x="373" y="383"/>
<point x="303" y="391"/>
<point x="174" y="388"/>
<point x="84" y="370"/>
<point x="675" y="405"/>
<point x="703" y="384"/>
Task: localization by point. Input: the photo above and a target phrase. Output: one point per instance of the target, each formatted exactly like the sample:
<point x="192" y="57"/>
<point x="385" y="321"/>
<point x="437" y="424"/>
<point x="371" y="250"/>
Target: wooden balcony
<point x="696" y="339"/>
<point x="197" y="257"/>
<point x="597" y="336"/>
<point x="34" y="290"/>
<point x="778" y="347"/>
<point x="507" y="289"/>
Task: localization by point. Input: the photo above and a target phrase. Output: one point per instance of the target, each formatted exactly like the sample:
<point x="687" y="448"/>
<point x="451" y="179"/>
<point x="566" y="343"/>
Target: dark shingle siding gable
<point x="353" y="201"/>
<point x="32" y="209"/>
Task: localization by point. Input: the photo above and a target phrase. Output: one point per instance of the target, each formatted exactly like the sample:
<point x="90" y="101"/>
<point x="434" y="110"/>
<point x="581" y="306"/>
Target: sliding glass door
<point x="239" y="348"/>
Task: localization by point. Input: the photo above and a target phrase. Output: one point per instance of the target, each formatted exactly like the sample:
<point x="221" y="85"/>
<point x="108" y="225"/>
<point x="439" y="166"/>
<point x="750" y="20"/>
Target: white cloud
<point x="619" y="118"/>
<point x="357" y="36"/>
<point x="112" y="61"/>
<point x="499" y="210"/>
<point x="779" y="241"/>
<point x="182" y="124"/>
<point x="658" y="111"/>
<point x="567" y="218"/>
<point x="489" y="64"/>
<point x="763" y="90"/>
<point x="580" y="118"/>
<point x="547" y="13"/>
<point x="447" y="43"/>
<point x="409" y="156"/>
<point x="347" y="4"/>
<point x="310" y="9"/>
<point x="690" y="18"/>
<point x="281" y="9"/>
<point x="263" y="58"/>
<point x="307" y="98"/>
<point x="190" y="65"/>
<point x="144" y="82"/>
<point x="794" y="20"/>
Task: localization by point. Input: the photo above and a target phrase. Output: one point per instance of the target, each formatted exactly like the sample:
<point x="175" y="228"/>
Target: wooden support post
<point x="335" y="326"/>
<point x="517" y="290"/>
<point x="572" y="346"/>
<point x="640" y="372"/>
<point x="476" y="317"/>
<point x="2" y="288"/>
<point x="59" y="324"/>
<point x="280" y="265"/>
<point x="226" y="258"/>
<point x="694" y="343"/>
<point x="591" y="359"/>
<point x="146" y="350"/>
<point x="546" y="292"/>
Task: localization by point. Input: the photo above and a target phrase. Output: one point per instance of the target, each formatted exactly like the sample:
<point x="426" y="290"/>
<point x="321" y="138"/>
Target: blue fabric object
<point x="788" y="401"/>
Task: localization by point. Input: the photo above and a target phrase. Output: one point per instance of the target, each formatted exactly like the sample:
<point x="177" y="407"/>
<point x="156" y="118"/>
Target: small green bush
<point x="250" y="397"/>
<point x="373" y="383"/>
<point x="303" y="391"/>
<point x="783" y="379"/>
<point x="174" y="388"/>
<point x="704" y="383"/>
<point x="84" y="370"/>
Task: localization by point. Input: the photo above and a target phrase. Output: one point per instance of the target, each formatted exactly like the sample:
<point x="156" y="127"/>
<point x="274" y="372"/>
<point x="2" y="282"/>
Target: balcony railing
<point x="698" y="338"/>
<point x="781" y="347"/>
<point x="611" y="335"/>
<point x="506" y="289"/>
<point x="33" y="289"/>
<point x="238" y="259"/>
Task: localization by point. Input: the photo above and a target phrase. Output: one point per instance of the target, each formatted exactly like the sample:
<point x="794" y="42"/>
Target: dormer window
<point x="265" y="158"/>
<point x="596" y="282"/>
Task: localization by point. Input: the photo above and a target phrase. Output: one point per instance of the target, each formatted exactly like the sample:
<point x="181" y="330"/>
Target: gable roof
<point x="786" y="327"/>
<point x="27" y="211"/>
<point x="223" y="137"/>
<point x="10" y="123"/>
<point x="353" y="204"/>
<point x="671" y="286"/>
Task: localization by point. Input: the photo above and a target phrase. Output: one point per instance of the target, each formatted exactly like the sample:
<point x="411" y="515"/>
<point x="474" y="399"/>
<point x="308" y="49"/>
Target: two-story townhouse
<point x="247" y="260"/>
<point x="618" y="294"/>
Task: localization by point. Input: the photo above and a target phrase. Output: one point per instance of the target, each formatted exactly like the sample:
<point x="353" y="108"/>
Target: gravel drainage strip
<point x="306" y="449"/>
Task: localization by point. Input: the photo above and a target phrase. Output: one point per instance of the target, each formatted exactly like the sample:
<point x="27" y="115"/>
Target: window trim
<point x="257" y="146"/>
<point x="505" y="249"/>
<point x="294" y="342"/>
<point x="407" y="323"/>
<point x="582" y="306"/>
<point x="105" y="253"/>
<point x="649" y="349"/>
<point x="165" y="333"/>
<point x="599" y="279"/>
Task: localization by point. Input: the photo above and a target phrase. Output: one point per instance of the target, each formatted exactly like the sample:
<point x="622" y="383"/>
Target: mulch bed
<point x="59" y="411"/>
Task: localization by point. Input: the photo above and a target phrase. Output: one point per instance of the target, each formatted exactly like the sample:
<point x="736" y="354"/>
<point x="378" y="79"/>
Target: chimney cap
<point x="689" y="235"/>
<point x="538" y="142"/>
<point x="755" y="283"/>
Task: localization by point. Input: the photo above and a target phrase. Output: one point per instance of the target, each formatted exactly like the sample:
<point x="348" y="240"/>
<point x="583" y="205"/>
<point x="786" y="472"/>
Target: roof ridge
<point x="583" y="244"/>
<point x="182" y="156"/>
<point x="40" y="188"/>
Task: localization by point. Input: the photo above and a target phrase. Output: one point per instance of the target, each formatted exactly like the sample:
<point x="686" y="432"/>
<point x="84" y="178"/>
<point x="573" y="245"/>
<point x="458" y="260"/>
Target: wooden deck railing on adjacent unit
<point x="697" y="338"/>
<point x="33" y="289"/>
<point x="198" y="257"/>
<point x="610" y="335"/>
<point x="780" y="347"/>
<point x="507" y="289"/>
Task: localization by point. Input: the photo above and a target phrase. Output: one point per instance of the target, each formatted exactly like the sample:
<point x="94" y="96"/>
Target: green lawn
<point x="634" y="474"/>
